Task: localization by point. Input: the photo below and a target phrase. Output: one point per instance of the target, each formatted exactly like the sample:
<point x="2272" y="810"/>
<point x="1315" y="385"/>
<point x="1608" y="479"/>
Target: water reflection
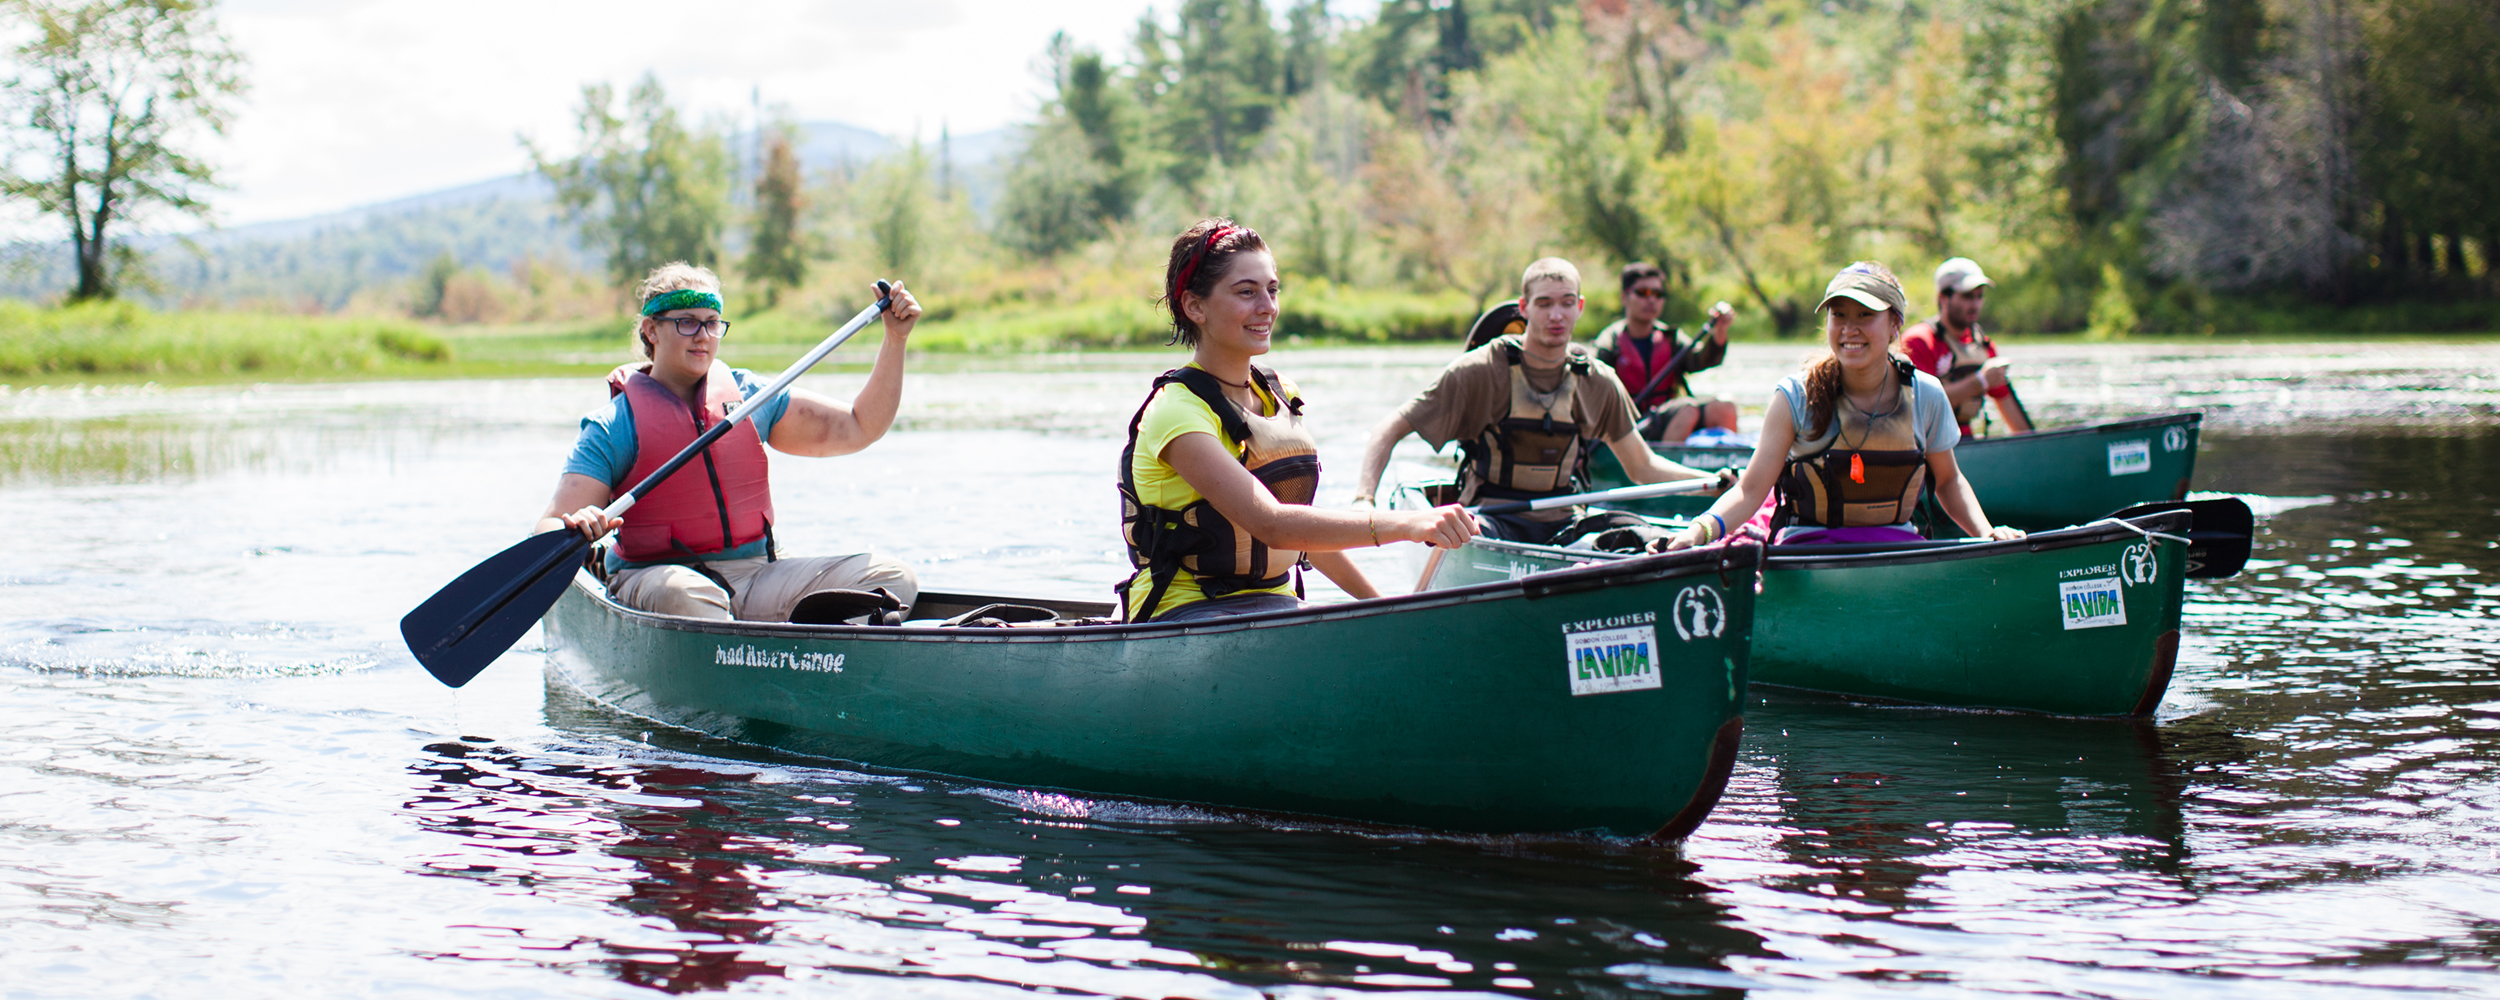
<point x="730" y="873"/>
<point x="1881" y="805"/>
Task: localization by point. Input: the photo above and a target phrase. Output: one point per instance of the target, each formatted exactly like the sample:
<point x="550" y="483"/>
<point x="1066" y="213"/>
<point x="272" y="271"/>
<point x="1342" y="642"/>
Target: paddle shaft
<point x="513" y="588"/>
<point x="1620" y="493"/>
<point x="753" y="403"/>
<point x="2011" y="396"/>
<point x="1677" y="359"/>
<point x="1432" y="563"/>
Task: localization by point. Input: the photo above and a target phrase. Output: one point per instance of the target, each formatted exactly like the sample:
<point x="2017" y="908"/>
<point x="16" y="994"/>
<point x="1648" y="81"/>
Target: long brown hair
<point x="1199" y="258"/>
<point x="1823" y="373"/>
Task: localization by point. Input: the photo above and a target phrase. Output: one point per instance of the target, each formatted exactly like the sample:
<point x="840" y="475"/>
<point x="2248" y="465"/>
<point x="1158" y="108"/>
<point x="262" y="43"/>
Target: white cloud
<point x="357" y="101"/>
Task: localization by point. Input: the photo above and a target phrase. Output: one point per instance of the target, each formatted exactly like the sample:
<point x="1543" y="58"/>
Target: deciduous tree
<point x="106" y="96"/>
<point x="645" y="188"/>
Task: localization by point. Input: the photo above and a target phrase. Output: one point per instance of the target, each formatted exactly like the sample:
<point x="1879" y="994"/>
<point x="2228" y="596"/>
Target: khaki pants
<point x="764" y="591"/>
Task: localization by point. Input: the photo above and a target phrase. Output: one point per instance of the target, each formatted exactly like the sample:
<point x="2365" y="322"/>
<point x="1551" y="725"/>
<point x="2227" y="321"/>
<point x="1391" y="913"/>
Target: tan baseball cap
<point x="1864" y="284"/>
<point x="1961" y="274"/>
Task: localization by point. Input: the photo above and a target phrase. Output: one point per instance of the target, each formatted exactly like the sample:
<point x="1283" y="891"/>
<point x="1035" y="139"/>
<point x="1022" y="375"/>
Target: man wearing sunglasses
<point x="1951" y="348"/>
<point x="1653" y="359"/>
<point x="700" y="544"/>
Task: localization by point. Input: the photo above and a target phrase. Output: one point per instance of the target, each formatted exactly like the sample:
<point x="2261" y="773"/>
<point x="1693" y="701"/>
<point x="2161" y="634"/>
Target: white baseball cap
<point x="1961" y="274"/>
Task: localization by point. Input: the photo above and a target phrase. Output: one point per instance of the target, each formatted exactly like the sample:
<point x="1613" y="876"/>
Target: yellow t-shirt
<point x="1175" y="411"/>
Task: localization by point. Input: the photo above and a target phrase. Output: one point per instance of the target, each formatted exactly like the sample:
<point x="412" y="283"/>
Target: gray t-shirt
<point x="1931" y="415"/>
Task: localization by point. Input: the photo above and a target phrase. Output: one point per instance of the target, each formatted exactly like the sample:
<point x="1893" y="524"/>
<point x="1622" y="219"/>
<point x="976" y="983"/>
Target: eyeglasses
<point x="1650" y="293"/>
<point x="688" y="326"/>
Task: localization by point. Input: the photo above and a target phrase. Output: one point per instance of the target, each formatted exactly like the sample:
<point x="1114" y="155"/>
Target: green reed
<point x="123" y="339"/>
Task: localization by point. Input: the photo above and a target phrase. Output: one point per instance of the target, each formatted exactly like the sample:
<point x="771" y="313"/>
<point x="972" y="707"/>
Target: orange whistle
<point x="1857" y="468"/>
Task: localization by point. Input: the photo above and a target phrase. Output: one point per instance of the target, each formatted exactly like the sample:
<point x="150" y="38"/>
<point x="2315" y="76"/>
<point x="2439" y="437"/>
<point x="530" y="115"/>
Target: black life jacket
<point x="1221" y="556"/>
<point x="1866" y="469"/>
<point x="1536" y="449"/>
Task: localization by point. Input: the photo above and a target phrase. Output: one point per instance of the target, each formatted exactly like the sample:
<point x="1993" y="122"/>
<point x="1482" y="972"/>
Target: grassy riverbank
<point x="122" y="342"/>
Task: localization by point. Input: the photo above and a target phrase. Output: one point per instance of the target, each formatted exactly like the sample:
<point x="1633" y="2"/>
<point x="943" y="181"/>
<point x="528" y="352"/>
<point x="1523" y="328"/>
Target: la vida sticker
<point x="1604" y="661"/>
<point x="2130" y="457"/>
<point x="2092" y="603"/>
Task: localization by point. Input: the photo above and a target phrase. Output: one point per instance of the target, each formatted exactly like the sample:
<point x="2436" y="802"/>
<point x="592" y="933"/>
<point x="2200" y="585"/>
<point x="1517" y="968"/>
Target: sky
<point x="357" y="101"/>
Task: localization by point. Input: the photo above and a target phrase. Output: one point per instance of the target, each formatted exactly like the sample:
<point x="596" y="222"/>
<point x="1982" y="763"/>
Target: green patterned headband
<point x="683" y="298"/>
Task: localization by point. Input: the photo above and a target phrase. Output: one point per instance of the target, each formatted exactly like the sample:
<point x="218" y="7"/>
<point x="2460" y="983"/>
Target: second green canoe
<point x="2035" y="482"/>
<point x="2079" y="621"/>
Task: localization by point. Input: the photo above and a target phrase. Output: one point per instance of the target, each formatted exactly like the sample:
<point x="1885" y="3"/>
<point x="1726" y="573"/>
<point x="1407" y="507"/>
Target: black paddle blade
<point x="2218" y="538"/>
<point x="473" y="619"/>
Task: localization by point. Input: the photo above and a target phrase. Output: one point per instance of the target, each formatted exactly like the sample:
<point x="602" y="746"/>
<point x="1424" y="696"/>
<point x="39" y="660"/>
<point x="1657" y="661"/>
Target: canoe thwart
<point x="938" y="604"/>
<point x="1000" y="616"/>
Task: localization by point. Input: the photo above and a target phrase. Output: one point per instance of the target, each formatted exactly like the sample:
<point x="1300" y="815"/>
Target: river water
<point x="222" y="775"/>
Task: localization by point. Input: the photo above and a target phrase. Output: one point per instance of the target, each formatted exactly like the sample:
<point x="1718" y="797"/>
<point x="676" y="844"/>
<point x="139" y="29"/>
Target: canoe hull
<point x="1452" y="711"/>
<point x="2030" y="481"/>
<point x="2077" y="622"/>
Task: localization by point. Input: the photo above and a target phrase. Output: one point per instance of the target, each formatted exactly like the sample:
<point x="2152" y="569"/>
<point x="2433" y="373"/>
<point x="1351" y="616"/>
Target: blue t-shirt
<point x="1931" y="416"/>
<point x="605" y="451"/>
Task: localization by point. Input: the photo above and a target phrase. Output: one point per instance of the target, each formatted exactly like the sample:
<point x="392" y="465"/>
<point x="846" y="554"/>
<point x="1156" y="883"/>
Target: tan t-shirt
<point x="1474" y="391"/>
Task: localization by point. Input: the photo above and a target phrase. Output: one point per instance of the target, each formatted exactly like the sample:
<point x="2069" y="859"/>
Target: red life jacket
<point x="724" y="502"/>
<point x="1636" y="366"/>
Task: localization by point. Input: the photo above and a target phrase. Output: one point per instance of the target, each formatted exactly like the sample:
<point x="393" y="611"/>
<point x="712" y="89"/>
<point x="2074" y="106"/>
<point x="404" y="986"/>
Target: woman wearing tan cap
<point x="1850" y="440"/>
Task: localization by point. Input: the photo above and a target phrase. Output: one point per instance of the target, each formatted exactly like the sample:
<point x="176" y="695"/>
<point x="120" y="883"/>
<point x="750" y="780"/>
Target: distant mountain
<point x="321" y="261"/>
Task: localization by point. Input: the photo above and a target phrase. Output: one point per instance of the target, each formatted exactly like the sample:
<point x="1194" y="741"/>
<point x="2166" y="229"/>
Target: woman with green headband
<point x="700" y="544"/>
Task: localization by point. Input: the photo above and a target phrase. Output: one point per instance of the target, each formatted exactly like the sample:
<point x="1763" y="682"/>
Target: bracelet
<point x="1714" y="515"/>
<point x="1372" y="521"/>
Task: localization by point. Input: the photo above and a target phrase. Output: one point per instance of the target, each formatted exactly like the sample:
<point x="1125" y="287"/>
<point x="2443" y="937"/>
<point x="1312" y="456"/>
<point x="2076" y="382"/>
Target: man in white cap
<point x="1951" y="348"/>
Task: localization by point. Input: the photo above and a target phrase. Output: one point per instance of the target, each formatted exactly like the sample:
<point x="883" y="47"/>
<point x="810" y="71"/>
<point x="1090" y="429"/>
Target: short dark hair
<point x="1197" y="262"/>
<point x="1636" y="271"/>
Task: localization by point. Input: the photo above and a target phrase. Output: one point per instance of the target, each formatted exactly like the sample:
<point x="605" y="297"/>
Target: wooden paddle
<point x="2218" y="537"/>
<point x="1432" y="563"/>
<point x="462" y="628"/>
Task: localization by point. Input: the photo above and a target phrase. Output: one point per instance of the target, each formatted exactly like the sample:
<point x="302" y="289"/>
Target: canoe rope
<point x="2139" y="529"/>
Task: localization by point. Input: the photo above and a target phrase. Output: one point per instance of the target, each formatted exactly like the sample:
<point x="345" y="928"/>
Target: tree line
<point x="2121" y="164"/>
<point x="2123" y="158"/>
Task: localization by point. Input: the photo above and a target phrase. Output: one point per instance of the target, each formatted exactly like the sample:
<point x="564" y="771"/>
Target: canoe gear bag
<point x="1223" y="558"/>
<point x="1867" y="469"/>
<point x="1535" y="450"/>
<point x="688" y="516"/>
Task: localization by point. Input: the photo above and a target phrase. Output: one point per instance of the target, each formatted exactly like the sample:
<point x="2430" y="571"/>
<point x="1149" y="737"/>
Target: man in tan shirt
<point x="1525" y="408"/>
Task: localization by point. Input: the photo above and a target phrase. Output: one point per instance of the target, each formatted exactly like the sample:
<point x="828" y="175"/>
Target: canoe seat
<point x="835" y="607"/>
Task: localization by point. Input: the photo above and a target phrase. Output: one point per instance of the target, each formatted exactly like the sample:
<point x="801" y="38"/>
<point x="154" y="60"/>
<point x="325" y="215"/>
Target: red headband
<point x="1190" y="270"/>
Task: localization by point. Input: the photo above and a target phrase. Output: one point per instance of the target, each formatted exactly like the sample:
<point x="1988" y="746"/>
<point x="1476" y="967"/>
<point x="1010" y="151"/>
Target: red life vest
<point x="723" y="502"/>
<point x="1636" y="366"/>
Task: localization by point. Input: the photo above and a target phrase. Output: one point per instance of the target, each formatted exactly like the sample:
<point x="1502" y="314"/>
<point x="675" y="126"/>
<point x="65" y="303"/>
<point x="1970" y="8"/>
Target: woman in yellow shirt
<point x="1217" y="479"/>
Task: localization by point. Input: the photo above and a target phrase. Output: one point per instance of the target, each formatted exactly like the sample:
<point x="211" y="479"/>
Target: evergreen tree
<point x="777" y="254"/>
<point x="1210" y="84"/>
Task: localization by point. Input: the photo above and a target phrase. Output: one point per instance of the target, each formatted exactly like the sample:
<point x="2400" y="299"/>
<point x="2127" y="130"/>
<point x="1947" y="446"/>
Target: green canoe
<point x="1603" y="699"/>
<point x="2077" y="621"/>
<point x="2050" y="479"/>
